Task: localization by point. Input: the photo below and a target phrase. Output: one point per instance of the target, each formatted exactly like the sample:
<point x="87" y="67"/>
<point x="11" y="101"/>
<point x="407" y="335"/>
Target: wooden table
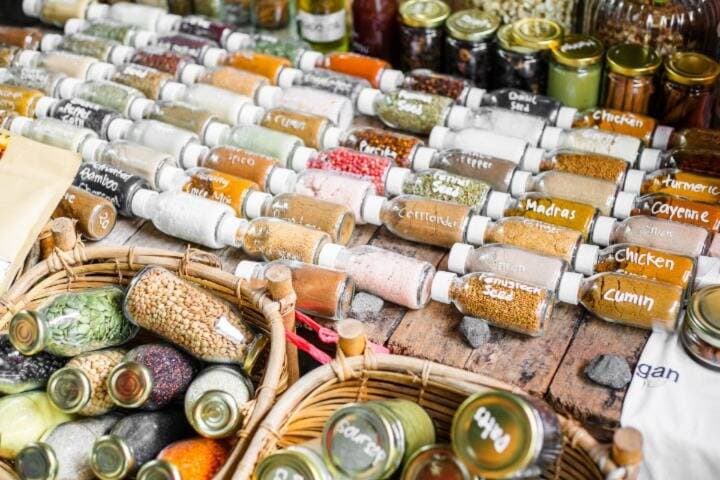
<point x="549" y="366"/>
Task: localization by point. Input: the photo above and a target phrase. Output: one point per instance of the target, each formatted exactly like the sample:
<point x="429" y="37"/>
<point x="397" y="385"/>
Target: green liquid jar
<point x="575" y="72"/>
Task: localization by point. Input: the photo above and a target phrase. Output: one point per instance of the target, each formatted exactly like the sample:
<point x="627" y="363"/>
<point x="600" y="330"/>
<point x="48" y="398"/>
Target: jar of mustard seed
<point x="700" y="332"/>
<point x="422" y="37"/>
<point x="502" y="435"/>
<point x="575" y="71"/>
<point x="687" y="94"/>
<point x="630" y="78"/>
<point x="522" y="55"/>
<point x="469" y="44"/>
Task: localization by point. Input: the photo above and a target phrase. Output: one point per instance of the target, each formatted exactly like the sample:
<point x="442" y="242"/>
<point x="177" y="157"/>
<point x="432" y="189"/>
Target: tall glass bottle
<point x="322" y="24"/>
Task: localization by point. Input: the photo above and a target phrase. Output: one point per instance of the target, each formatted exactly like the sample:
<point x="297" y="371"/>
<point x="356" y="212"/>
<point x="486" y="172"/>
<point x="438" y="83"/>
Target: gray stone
<point x="609" y="370"/>
<point x="365" y="306"/>
<point x="475" y="331"/>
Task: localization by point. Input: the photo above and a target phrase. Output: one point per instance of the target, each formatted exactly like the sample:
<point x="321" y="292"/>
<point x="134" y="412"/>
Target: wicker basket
<point x="300" y="413"/>
<point x="98" y="266"/>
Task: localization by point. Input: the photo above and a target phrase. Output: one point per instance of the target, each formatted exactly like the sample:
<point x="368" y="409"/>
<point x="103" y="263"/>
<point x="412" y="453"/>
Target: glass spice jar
<point x="150" y="377"/>
<point x="57" y="12"/>
<point x="274" y="238"/>
<point x="288" y="150"/>
<point x="220" y="32"/>
<point x="111" y="183"/>
<point x="591" y="140"/>
<point x="81" y="385"/>
<point x="422" y="37"/>
<point x="227" y="106"/>
<point x="497" y="300"/>
<point x="695" y="139"/>
<point x="52" y="132"/>
<point x="218" y="186"/>
<point x="187" y="120"/>
<point x="145" y="17"/>
<point x="671" y="207"/>
<point x="594" y="165"/>
<point x="19" y="373"/>
<point x="390" y="275"/>
<point x="511" y="262"/>
<point x="521" y="55"/>
<point x="509" y="123"/>
<point x="72" y="323"/>
<point x="363" y="165"/>
<point x="20" y="100"/>
<point x="215" y="400"/>
<point x="328" y="81"/>
<point x="60" y="455"/>
<point x="374" y="28"/>
<point x="323" y="24"/>
<point x="375" y="70"/>
<point x="95" y="217"/>
<point x="706" y="162"/>
<point x="315" y="131"/>
<point x="8" y="55"/>
<point x="469" y="45"/>
<point x="80" y="44"/>
<point x="106" y="123"/>
<point x="503" y="435"/>
<point x="635" y="125"/>
<point x="241" y="82"/>
<point x="691" y="186"/>
<point x="435" y="462"/>
<point x="270" y="14"/>
<point x="155" y="84"/>
<point x="111" y="30"/>
<point x="404" y="150"/>
<point x="322" y="292"/>
<point x="397" y="428"/>
<point x="629" y="83"/>
<point x="125" y="100"/>
<point x="457" y="88"/>
<point x="700" y="331"/>
<point x="687" y="96"/>
<point x="194" y="458"/>
<point x="347" y="190"/>
<point x="37" y="78"/>
<point x="336" y="108"/>
<point x="302" y="461"/>
<point x="295" y="50"/>
<point x="203" y="51"/>
<point x="25" y="38"/>
<point x="268" y="66"/>
<point x="70" y="64"/>
<point x="218" y="333"/>
<point x="183" y="145"/>
<point x="575" y="72"/>
<point x="182" y="67"/>
<point x="495" y="171"/>
<point x="329" y="217"/>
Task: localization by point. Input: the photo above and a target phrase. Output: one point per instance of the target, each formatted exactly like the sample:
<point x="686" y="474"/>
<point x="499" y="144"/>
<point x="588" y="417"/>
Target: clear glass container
<point x="374" y="28"/>
<point x="336" y="108"/>
<point x="21" y="100"/>
<point x="402" y="149"/>
<point x="687" y="96"/>
<point x="550" y="209"/>
<point x="182" y="67"/>
<point x="57" y="12"/>
<point x="270" y="14"/>
<point x="125" y="100"/>
<point x="534" y="235"/>
<point x="84" y="114"/>
<point x="305" y="460"/>
<point x="626" y="123"/>
<point x="594" y="165"/>
<point x="36" y="78"/>
<point x="201" y="50"/>
<point x="21" y="37"/>
<point x="215" y="400"/>
<point x="323" y="24"/>
<point x="509" y="123"/>
<point x="227" y="106"/>
<point x="110" y="183"/>
<point x="428" y="81"/>
<point x="287" y="149"/>
<point x="213" y="332"/>
<point x="146" y="17"/>
<point x="422" y="36"/>
<point x="629" y="82"/>
<point x="112" y="30"/>
<point x="575" y="72"/>
<point x="220" y="187"/>
<point x="495" y="171"/>
<point x="197" y="458"/>
<point x="234" y="80"/>
<point x="695" y="138"/>
<point x="594" y="141"/>
<point x="469" y="45"/>
<point x="218" y="31"/>
<point x="53" y="132"/>
<point x="293" y="49"/>
<point x="274" y="238"/>
<point x="331" y="82"/>
<point x="169" y="138"/>
<point x="81" y="385"/>
<point x="154" y="84"/>
<point x="484" y="142"/>
<point x="378" y="72"/>
<point x="100" y="48"/>
<point x="692" y="186"/>
<point x="72" y="323"/>
<point x="269" y="66"/>
<point x="346" y="190"/>
<point x="258" y="168"/>
<point x="363" y="165"/>
<point x="676" y="209"/>
<point x="184" y="116"/>
<point x="314" y="130"/>
<point x="700" y="332"/>
<point x="532" y="104"/>
<point x="19" y="373"/>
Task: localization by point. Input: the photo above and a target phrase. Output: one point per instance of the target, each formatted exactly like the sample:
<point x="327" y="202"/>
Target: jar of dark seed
<point x="20" y="373"/>
<point x="522" y="53"/>
<point x="469" y="45"/>
<point x="150" y="377"/>
<point x="700" y="333"/>
<point x="422" y="36"/>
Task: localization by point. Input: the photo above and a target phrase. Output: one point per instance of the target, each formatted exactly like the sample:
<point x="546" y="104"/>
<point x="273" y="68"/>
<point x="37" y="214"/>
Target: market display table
<point x="550" y="366"/>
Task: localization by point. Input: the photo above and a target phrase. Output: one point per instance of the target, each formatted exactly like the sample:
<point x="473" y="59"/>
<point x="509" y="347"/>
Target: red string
<point x="330" y="336"/>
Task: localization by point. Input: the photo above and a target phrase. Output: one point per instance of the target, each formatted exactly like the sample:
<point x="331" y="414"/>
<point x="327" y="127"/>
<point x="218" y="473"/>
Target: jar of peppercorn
<point x="469" y="44"/>
<point x="688" y="90"/>
<point x="422" y="37"/>
<point x="629" y="83"/>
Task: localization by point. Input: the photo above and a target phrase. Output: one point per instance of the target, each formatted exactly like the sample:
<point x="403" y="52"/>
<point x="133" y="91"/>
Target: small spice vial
<point x="496" y="299"/>
<point x="80" y="44"/>
<point x="328" y="81"/>
<point x="111" y="30"/>
<point x="689" y="159"/>
<point x="495" y="171"/>
<point x="323" y="292"/>
<point x="298" y="461"/>
<point x="591" y="140"/>
<point x="182" y="67"/>
<point x="182" y="144"/>
<point x="508" y="261"/>
<point x="351" y="192"/>
<point x="201" y="50"/>
<point x="595" y="165"/>
<point x="507" y="122"/>
<point x="220" y="32"/>
<point x="435" y="462"/>
<point x="397" y="428"/>
<point x="26" y="38"/>
<point x="625" y="299"/>
<point x="155" y="84"/>
<point x="150" y="377"/>
<point x="575" y="71"/>
<point x="288" y="150"/>
<point x="533" y="104"/>
<point x="145" y="17"/>
<point x="52" y="132"/>
<point x="700" y="332"/>
<point x="403" y="149"/>
<point x="274" y="238"/>
<point x="390" y="275"/>
<point x="80" y="387"/>
<point x="314" y="130"/>
<point x="376" y="71"/>
<point x="652" y="232"/>
<point x="20" y="373"/>
<point x="159" y="301"/>
<point x="367" y="166"/>
<point x="669" y="207"/>
<point x="215" y="400"/>
<point x="125" y="100"/>
<point x="218" y="186"/>
<point x="57" y="12"/>
<point x="229" y="107"/>
<point x="70" y="64"/>
<point x="695" y="139"/>
<point x="108" y="124"/>
<point x="120" y="190"/>
<point x="692" y="186"/>
<point x="195" y="458"/>
<point x="636" y="125"/>
<point x="469" y="45"/>
<point x="629" y="82"/>
<point x="269" y="66"/>
<point x="502" y="435"/>
<point x="336" y="108"/>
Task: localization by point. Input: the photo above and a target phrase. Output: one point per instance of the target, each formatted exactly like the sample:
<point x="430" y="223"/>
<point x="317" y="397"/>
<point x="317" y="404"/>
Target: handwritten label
<point x="491" y="430"/>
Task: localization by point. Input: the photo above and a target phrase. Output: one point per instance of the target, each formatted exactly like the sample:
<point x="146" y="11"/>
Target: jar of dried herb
<point x="29" y="77"/>
<point x="700" y="333"/>
<point x="72" y="323"/>
<point x="499" y="301"/>
<point x="274" y="238"/>
<point x="191" y="124"/>
<point x="111" y="30"/>
<point x="495" y="171"/>
<point x="125" y="100"/>
<point x="80" y="44"/>
<point x="157" y="300"/>
<point x="625" y="299"/>
<point x="397" y="429"/>
<point x="81" y="386"/>
<point x="629" y="82"/>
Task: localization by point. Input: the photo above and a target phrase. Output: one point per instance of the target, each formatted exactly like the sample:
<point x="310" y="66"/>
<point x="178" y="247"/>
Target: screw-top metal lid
<point x="159" y="470"/>
<point x="536" y="33"/>
<point x="343" y="457"/>
<point x="578" y="50"/>
<point x="130" y="384"/>
<point x="703" y="314"/>
<point x="435" y="461"/>
<point x="691" y="68"/>
<point x="424" y="13"/>
<point x="69" y="389"/>
<point x="37" y="461"/>
<point x="632" y="59"/>
<point x="292" y="462"/>
<point x="28" y="332"/>
<point x="215" y="414"/>
<point x="472" y="25"/>
<point x="111" y="458"/>
<point x="495" y="434"/>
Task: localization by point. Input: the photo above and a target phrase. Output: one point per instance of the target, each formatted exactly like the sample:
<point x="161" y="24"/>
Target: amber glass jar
<point x="630" y="81"/>
<point x="422" y="36"/>
<point x="687" y="95"/>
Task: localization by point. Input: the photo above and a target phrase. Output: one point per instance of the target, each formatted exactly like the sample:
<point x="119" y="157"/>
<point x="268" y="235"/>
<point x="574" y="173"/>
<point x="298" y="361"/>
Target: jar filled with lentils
<point x="629" y="84"/>
<point x="521" y="59"/>
<point x="469" y="45"/>
<point x="422" y="36"/>
<point x="191" y="318"/>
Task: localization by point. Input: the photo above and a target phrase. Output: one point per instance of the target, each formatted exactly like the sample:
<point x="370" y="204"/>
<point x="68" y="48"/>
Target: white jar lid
<point x="168" y="23"/>
<point x="497" y="204"/>
<point x="586" y="258"/>
<point x="213" y="56"/>
<point x="533" y="156"/>
<point x="254" y="203"/>
<point x="170" y="178"/>
<point x="173" y="91"/>
<point x="119" y="128"/>
<point x="215" y="133"/>
<point x="395" y="179"/>
<point x="50" y="42"/>
<point x="18" y="124"/>
<point x="477" y="227"/>
<point x="228" y="230"/>
<point x="75" y="25"/>
<point x="331" y="137"/>
<point x="474" y="96"/>
<point x="300" y="158"/>
<point x="121" y="54"/>
<point x="191" y="72"/>
<point x="422" y="157"/>
<point x="366" y="101"/>
<point x="624" y="203"/>
<point x="27" y="58"/>
<point x="32" y="8"/>
<point x="440" y="137"/>
<point x="569" y="288"/>
<point x="139" y="108"/>
<point x="143" y="38"/>
<point x="67" y="86"/>
<point x="519" y="182"/>
<point x="458" y="117"/>
<point x="390" y="80"/>
<point x="192" y="153"/>
<point x="328" y="254"/>
<point x="140" y="203"/>
<point x="247" y="269"/>
<point x="308" y="60"/>
<point x="634" y="180"/>
<point x="96" y="11"/>
<point x="100" y="71"/>
<point x="457" y="258"/>
<point x="269" y="96"/>
<point x="250" y="114"/>
<point x="238" y="41"/>
<point x="43" y="106"/>
<point x="372" y="208"/>
<point x="649" y="160"/>
<point x="440" y="290"/>
<point x="603" y="230"/>
<point x="551" y="138"/>
<point x="91" y="148"/>
<point x="281" y="180"/>
<point x="661" y="137"/>
<point x="565" y="117"/>
<point x="287" y="77"/>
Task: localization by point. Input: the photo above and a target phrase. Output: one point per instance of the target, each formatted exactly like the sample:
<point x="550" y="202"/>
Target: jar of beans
<point x="629" y="84"/>
<point x="521" y="60"/>
<point x="688" y="90"/>
<point x="469" y="44"/>
<point x="422" y="36"/>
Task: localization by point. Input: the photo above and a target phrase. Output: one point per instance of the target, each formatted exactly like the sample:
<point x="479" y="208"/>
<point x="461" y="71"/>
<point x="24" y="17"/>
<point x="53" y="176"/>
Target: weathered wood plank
<point x="572" y="394"/>
<point x="124" y="229"/>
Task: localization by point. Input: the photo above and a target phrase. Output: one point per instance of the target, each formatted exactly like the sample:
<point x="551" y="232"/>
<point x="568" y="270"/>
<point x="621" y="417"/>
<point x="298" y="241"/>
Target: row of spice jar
<point x="403" y="440"/>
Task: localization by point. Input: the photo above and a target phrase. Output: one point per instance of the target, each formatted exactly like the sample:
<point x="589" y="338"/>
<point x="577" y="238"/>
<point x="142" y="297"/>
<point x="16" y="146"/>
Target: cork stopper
<point x="627" y="446"/>
<point x="63" y="233"/>
<point x="351" y="337"/>
<point x="279" y="279"/>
